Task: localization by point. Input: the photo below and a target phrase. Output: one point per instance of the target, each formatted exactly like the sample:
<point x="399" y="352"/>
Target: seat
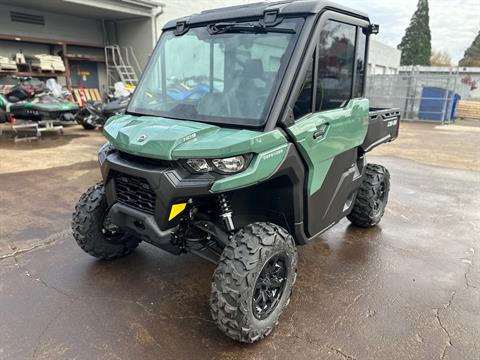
<point x="212" y="104"/>
<point x="249" y="91"/>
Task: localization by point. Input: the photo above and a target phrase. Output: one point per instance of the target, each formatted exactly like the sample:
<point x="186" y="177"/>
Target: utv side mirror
<point x="373" y="29"/>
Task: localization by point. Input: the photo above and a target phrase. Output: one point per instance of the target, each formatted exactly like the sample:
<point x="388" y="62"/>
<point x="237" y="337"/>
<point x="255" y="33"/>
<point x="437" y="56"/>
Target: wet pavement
<point x="407" y="289"/>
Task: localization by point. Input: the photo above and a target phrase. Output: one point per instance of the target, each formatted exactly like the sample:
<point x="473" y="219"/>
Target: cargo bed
<point x="383" y="127"/>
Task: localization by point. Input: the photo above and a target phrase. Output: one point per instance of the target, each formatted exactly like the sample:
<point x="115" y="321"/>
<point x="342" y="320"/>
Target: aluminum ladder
<point x="122" y="65"/>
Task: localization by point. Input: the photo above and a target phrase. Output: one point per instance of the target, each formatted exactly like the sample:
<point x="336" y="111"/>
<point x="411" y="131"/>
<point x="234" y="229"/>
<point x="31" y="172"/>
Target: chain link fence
<point x="419" y="96"/>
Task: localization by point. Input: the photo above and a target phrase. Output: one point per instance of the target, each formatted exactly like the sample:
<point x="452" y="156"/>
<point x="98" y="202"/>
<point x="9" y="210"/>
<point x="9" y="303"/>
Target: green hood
<point x="170" y="139"/>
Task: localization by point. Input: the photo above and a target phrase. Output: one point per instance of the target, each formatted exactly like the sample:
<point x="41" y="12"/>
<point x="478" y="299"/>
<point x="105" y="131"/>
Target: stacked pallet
<point x="468" y="109"/>
<point x="7" y="65"/>
<point x="80" y="96"/>
<point x="50" y="63"/>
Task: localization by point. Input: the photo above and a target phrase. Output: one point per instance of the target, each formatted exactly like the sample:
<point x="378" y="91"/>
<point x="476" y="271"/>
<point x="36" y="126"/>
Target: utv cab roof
<point x="257" y="10"/>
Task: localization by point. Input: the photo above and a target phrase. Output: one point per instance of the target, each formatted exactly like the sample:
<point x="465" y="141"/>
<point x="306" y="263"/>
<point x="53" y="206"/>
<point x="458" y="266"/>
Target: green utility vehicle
<point x="246" y="136"/>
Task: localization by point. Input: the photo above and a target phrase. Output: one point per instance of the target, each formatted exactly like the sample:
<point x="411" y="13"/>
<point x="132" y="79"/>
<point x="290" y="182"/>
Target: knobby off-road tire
<point x="244" y="261"/>
<point x="91" y="231"/>
<point x="87" y="126"/>
<point x="372" y="197"/>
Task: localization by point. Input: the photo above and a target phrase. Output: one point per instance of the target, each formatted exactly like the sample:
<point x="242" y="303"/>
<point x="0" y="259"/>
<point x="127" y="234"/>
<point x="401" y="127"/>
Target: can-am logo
<point x="142" y="138"/>
<point x="392" y="123"/>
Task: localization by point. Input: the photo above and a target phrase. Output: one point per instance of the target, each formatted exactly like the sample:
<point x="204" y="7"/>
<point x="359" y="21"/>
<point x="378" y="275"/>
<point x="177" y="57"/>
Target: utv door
<point x="328" y="136"/>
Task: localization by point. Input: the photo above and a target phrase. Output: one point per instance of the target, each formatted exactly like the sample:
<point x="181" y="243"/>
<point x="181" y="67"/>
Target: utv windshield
<point x="225" y="73"/>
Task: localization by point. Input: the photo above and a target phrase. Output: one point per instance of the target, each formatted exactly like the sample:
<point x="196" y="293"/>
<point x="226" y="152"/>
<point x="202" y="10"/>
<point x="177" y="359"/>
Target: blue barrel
<point x="433" y="101"/>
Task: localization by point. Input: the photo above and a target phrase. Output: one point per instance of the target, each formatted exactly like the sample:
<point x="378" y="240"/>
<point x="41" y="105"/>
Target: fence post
<point x="455" y="78"/>
<point x="407" y="99"/>
<point x="413" y="85"/>
<point x="445" y="98"/>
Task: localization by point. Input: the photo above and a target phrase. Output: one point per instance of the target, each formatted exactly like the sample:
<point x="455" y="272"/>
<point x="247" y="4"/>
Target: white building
<point x="77" y="30"/>
<point x="383" y="59"/>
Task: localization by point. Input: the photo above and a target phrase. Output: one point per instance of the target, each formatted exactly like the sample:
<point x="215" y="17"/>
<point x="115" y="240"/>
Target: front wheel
<point x="88" y="126"/>
<point x="372" y="197"/>
<point x="93" y="230"/>
<point x="253" y="281"/>
<point x="87" y="122"/>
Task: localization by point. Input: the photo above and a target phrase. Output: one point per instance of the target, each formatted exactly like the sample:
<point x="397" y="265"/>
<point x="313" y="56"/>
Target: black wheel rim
<point x="110" y="231"/>
<point x="269" y="286"/>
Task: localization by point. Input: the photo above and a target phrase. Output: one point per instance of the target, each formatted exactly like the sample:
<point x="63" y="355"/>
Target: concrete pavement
<point x="407" y="289"/>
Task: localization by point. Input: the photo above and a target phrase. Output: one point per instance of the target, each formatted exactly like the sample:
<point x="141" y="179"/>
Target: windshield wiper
<point x="256" y="28"/>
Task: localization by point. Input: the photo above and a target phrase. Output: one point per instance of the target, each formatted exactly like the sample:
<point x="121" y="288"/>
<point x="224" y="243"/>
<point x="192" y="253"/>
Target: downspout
<point x="154" y="17"/>
<point x="104" y="30"/>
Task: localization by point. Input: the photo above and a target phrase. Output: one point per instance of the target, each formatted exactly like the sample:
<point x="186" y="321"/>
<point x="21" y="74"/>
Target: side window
<point x="360" y="65"/>
<point x="303" y="105"/>
<point x="336" y="54"/>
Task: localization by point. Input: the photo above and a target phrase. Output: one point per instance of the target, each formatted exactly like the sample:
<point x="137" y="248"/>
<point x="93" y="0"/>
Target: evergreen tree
<point x="416" y="44"/>
<point x="472" y="54"/>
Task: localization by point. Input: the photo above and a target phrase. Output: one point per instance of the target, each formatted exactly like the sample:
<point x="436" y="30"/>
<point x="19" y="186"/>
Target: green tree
<point x="416" y="44"/>
<point x="472" y="54"/>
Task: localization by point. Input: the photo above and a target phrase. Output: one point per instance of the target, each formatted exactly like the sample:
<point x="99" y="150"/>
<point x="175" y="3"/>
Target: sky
<point x="453" y="23"/>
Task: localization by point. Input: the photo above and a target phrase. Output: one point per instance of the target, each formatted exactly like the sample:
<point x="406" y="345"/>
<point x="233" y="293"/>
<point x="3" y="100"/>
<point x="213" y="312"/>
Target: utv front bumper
<point x="143" y="226"/>
<point x="141" y="192"/>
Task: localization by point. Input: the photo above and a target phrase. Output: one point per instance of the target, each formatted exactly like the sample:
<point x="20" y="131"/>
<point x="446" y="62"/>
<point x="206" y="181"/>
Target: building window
<point x="336" y="54"/>
<point x="380" y="70"/>
<point x="360" y="63"/>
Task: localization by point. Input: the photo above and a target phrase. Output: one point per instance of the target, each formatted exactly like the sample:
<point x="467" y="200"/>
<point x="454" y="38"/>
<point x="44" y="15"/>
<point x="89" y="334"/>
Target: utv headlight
<point x="230" y="165"/>
<point x="104" y="151"/>
<point x="199" y="165"/>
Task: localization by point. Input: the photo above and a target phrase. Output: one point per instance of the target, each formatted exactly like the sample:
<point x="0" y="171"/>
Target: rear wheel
<point x="253" y="281"/>
<point x="372" y="197"/>
<point x="93" y="230"/>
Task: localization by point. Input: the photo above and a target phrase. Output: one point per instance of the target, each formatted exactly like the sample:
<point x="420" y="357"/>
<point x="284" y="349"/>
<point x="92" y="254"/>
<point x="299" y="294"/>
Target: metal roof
<point x="255" y="10"/>
<point x="99" y="9"/>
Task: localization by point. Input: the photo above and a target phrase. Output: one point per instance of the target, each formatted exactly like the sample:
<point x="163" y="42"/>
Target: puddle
<point x="32" y="233"/>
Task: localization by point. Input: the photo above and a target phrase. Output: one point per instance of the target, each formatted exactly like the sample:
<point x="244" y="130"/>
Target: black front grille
<point x="145" y="160"/>
<point x="135" y="192"/>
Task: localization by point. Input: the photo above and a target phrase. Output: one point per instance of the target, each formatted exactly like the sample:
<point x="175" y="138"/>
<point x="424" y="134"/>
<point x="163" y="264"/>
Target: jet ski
<point x="29" y="100"/>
